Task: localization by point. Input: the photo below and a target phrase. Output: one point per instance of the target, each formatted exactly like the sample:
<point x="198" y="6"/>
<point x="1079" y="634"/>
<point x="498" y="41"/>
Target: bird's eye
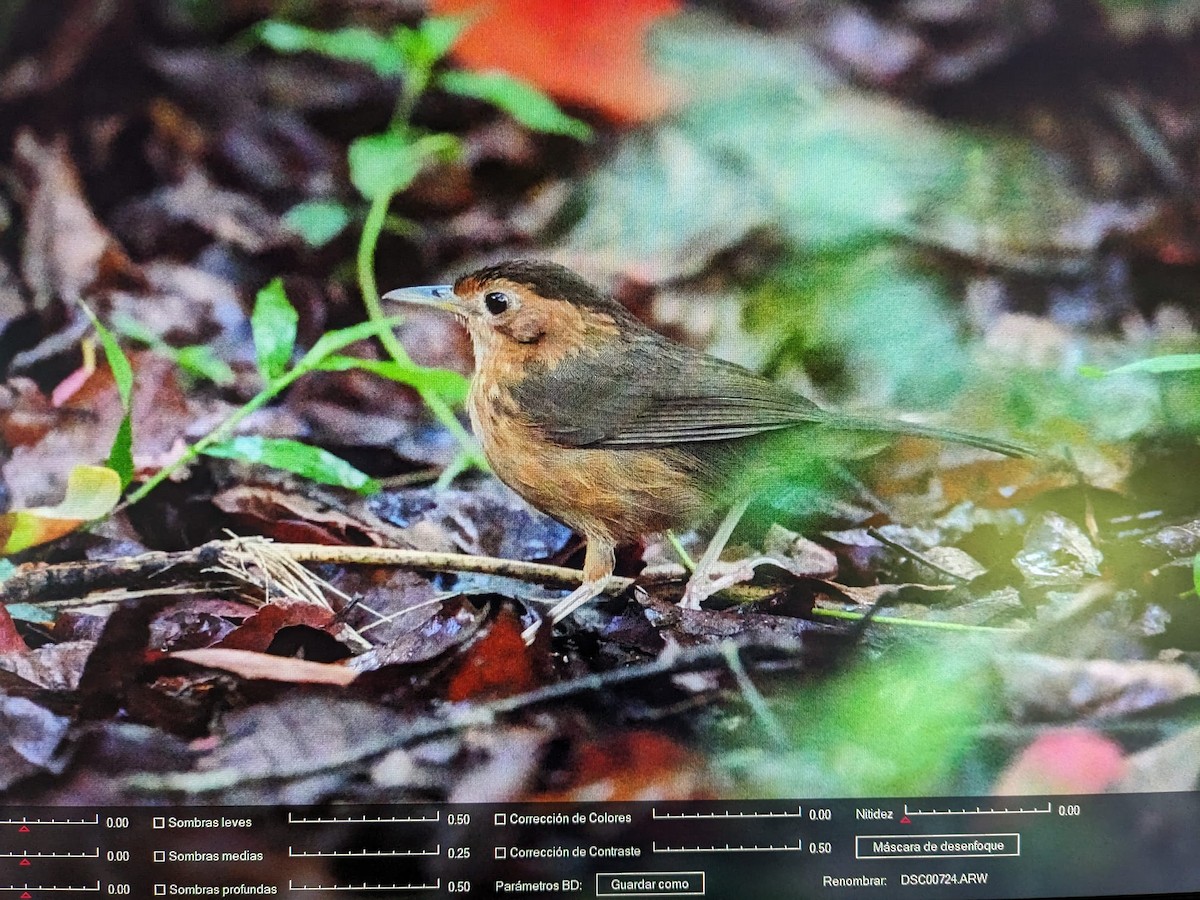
<point x="496" y="302"/>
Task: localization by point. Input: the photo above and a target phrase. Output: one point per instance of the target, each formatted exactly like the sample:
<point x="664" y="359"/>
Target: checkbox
<point x="500" y="819"/>
<point x="160" y="890"/>
<point x="160" y="855"/>
<point x="501" y="853"/>
<point x="159" y="822"/>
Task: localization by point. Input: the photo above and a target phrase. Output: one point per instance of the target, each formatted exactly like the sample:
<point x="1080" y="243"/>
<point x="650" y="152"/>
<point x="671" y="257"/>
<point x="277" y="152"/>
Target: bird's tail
<point x="894" y="426"/>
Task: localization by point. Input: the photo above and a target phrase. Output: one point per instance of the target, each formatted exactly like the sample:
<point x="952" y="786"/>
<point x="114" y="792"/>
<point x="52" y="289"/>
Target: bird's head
<point x="527" y="311"/>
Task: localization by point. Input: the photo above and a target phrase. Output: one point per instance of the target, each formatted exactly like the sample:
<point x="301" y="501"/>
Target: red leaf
<point x="498" y="664"/>
<point x="10" y="640"/>
<point x="585" y="52"/>
<point x="1065" y="761"/>
<point x="634" y="765"/>
<point x="257" y="632"/>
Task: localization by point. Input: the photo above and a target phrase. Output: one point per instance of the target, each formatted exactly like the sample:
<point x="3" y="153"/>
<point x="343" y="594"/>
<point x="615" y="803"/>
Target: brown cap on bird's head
<point x="525" y="303"/>
<point x="542" y="277"/>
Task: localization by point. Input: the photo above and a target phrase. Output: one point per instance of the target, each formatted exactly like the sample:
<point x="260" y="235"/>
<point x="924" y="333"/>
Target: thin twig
<point x="753" y="698"/>
<point x="1149" y="140"/>
<point x="916" y="555"/>
<point x="68" y="580"/>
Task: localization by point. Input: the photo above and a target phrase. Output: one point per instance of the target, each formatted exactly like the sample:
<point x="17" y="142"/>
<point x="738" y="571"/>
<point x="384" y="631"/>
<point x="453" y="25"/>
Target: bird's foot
<point x="701" y="586"/>
<point x="587" y="591"/>
<point x="696" y="592"/>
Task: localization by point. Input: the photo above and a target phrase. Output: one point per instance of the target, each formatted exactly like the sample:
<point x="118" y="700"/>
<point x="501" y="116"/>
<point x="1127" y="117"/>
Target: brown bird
<point x="617" y="431"/>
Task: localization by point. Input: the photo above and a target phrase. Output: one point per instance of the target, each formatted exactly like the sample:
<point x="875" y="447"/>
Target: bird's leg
<point x="697" y="584"/>
<point x="598" y="565"/>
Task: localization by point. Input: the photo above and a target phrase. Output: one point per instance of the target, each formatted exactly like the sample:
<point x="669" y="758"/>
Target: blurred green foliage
<point x="864" y="317"/>
<point x="855" y="188"/>
<point x="900" y="726"/>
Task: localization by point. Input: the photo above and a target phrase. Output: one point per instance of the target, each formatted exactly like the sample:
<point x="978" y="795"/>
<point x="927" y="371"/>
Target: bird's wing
<point x="647" y="392"/>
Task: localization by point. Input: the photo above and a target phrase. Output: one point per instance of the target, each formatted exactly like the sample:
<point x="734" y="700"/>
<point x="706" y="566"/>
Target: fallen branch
<point x="34" y="584"/>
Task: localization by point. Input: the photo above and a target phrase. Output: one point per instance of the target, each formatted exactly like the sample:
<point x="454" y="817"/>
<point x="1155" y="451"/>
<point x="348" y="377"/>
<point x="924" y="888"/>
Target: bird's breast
<point x="614" y="494"/>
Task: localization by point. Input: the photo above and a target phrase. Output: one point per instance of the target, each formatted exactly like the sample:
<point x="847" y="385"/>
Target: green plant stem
<point x="911" y="623"/>
<point x="372" y="227"/>
<point x="220" y="433"/>
<point x="414" y="85"/>
<point x="681" y="551"/>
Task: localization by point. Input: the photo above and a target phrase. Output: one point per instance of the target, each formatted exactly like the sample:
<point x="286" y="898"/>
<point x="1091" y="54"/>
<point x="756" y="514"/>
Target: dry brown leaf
<point x="1172" y="765"/>
<point x="66" y="253"/>
<point x="56" y="667"/>
<point x="1037" y="687"/>
<point x="265" y="667"/>
<point x="293" y="517"/>
<point x="162" y="413"/>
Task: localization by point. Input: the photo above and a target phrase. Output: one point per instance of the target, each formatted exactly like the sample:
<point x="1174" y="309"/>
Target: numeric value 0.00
<point x="117" y="855"/>
<point x="1069" y="809"/>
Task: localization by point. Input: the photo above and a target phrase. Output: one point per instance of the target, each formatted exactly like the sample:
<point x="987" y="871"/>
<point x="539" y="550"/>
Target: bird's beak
<point x="439" y="296"/>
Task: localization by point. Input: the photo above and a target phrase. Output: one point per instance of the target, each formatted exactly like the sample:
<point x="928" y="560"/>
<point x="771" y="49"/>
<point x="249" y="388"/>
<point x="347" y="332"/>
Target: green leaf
<point x="772" y="140"/>
<point x="118" y="362"/>
<point x="522" y="101"/>
<point x="1196" y="573"/>
<point x="358" y="45"/>
<point x="383" y="163"/>
<point x="273" y="323"/>
<point x="132" y="328"/>
<point x="901" y="726"/>
<point x="823" y="311"/>
<point x="1157" y="365"/>
<point x="197" y="360"/>
<point x="120" y="455"/>
<point x="423" y="46"/>
<point x="387" y="163"/>
<point x="333" y="341"/>
<point x="447" y="384"/>
<point x="300" y="459"/>
<point x="200" y="361"/>
<point x="317" y="221"/>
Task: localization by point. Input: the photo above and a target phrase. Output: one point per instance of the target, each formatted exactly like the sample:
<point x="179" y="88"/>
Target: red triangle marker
<point x="906" y="821"/>
<point x="27" y="896"/>
<point x="24" y="829"/>
<point x="24" y="862"/>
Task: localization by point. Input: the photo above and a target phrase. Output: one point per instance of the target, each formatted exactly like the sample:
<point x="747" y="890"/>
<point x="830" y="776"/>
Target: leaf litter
<point x="770" y="206"/>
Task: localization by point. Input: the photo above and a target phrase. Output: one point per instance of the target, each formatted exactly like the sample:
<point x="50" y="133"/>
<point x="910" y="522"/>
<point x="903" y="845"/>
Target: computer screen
<point x="658" y="448"/>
